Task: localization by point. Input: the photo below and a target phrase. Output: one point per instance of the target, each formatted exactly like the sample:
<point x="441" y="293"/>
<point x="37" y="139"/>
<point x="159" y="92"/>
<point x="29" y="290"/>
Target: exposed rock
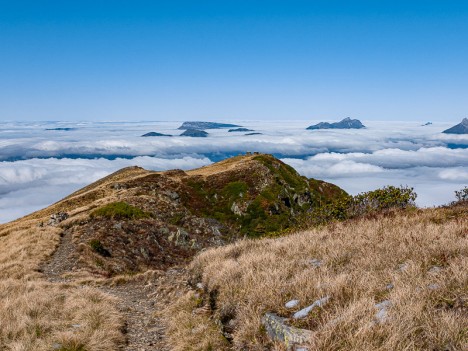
<point x="382" y="307"/>
<point x="206" y="125"/>
<point x="171" y="194"/>
<point x="57" y="346"/>
<point x="461" y="128"/>
<point x="293" y="338"/>
<point x="346" y="123"/>
<point x="256" y="133"/>
<point x="315" y="262"/>
<point x="291" y="304"/>
<point x="236" y="210"/>
<point x="305" y="311"/>
<point x="435" y="270"/>
<point x="56" y="218"/>
<point x="195" y="133"/>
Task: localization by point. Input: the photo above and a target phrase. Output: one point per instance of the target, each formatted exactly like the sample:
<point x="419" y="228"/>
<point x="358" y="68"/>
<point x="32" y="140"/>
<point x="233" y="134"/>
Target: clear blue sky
<point x="218" y="60"/>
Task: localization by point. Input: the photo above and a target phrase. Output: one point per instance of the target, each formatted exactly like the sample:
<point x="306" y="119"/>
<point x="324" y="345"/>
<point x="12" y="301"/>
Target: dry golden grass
<point x="221" y="166"/>
<point x="359" y="260"/>
<point x="38" y="315"/>
<point x="193" y="324"/>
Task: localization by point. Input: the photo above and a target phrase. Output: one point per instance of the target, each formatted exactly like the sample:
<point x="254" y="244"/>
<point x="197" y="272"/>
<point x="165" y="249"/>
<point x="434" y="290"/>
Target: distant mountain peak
<point x="346" y="123"/>
<point x="195" y="133"/>
<point x="155" y="134"/>
<point x="461" y="128"/>
<point x="206" y="125"/>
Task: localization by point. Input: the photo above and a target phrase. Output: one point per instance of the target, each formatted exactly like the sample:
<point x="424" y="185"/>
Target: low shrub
<point x="382" y="199"/>
<point x="97" y="247"/>
<point x="462" y="195"/>
<point x="389" y="197"/>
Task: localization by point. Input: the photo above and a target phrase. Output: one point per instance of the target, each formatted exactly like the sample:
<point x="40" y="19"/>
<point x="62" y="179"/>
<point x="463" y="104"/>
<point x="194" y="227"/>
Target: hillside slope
<point x="56" y="264"/>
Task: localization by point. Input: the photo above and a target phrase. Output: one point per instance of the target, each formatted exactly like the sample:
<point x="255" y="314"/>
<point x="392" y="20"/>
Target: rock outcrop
<point x="293" y="338"/>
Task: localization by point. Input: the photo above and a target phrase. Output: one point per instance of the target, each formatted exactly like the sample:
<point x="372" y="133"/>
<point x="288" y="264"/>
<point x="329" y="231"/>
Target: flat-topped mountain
<point x="155" y="134"/>
<point x="195" y="133"/>
<point x="461" y="128"/>
<point x="206" y="125"/>
<point x="346" y="123"/>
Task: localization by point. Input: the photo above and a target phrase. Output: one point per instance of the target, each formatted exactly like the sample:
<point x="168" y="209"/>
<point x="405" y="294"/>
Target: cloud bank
<point x="39" y="166"/>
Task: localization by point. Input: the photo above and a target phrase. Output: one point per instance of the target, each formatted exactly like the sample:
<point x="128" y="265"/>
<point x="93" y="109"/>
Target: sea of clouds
<point x="39" y="166"/>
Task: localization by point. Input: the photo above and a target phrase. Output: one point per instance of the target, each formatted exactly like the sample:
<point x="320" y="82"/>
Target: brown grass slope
<point x="417" y="260"/>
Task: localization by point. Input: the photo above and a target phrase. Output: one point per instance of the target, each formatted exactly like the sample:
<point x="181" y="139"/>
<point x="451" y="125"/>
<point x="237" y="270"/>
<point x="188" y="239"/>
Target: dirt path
<point x="137" y="301"/>
<point x="64" y="260"/>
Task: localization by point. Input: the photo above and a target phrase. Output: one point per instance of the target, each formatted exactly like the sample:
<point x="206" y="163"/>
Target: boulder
<point x="293" y="338"/>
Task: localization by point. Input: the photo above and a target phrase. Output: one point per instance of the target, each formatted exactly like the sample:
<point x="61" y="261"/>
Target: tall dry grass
<point x="423" y="255"/>
<point x="36" y="315"/>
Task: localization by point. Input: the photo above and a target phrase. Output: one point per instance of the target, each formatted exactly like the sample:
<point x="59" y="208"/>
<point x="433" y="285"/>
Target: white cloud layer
<point x="39" y="166"/>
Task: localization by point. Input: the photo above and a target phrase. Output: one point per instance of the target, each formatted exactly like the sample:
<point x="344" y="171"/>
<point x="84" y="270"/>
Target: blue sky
<point x="221" y="60"/>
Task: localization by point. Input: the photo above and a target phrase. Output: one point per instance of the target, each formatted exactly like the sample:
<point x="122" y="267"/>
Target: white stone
<point x="291" y="304"/>
<point x="315" y="262"/>
<point x="305" y="311"/>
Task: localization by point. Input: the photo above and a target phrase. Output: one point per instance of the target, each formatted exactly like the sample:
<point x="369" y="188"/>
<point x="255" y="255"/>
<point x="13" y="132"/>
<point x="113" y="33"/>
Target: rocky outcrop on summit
<point x="195" y="133"/>
<point x="155" y="134"/>
<point x="461" y="128"/>
<point x="346" y="123"/>
<point x="206" y="125"/>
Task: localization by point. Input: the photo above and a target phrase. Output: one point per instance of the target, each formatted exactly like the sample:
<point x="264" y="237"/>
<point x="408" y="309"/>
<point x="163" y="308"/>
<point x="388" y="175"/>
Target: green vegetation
<point x="345" y="207"/>
<point x="462" y="195"/>
<point x="120" y="210"/>
<point x="97" y="247"/>
<point x="272" y="209"/>
<point x="234" y="190"/>
<point x="383" y="199"/>
<point x="284" y="171"/>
